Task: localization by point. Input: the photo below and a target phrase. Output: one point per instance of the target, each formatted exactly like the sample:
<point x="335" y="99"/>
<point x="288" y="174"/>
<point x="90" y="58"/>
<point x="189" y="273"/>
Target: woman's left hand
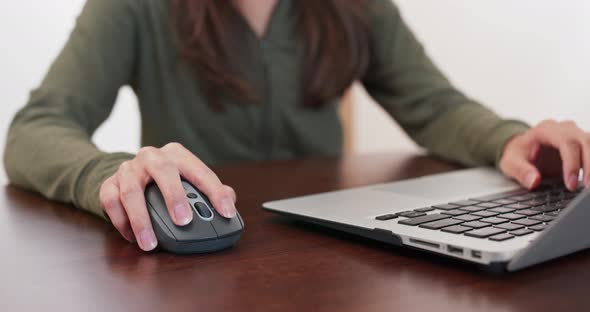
<point x="549" y="149"/>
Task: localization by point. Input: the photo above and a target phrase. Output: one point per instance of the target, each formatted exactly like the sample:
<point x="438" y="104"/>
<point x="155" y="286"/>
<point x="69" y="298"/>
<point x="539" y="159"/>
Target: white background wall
<point x="526" y="59"/>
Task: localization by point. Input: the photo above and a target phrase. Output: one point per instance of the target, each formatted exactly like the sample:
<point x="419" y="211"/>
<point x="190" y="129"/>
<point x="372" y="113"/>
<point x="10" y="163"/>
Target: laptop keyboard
<point x="497" y="217"/>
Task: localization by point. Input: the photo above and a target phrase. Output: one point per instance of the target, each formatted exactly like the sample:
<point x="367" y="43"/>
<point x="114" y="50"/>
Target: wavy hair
<point x="333" y="33"/>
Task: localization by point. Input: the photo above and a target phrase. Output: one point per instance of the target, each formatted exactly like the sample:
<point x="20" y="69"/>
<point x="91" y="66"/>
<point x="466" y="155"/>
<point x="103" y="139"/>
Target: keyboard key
<point x="467" y="218"/>
<point x="501" y="237"/>
<point x="511" y="216"/>
<point x="504" y="201"/>
<point x="485" y="214"/>
<point x="535" y="202"/>
<point x="476" y="224"/>
<point x="521" y="232"/>
<point x="526" y="222"/>
<point x="547" y="185"/>
<point x="411" y="214"/>
<point x="488" y="205"/>
<point x="386" y="217"/>
<point x="569" y="195"/>
<point x="493" y="220"/>
<point x="423" y="219"/>
<point x="545" y="208"/>
<point x="543" y="189"/>
<point x="446" y="207"/>
<point x="552" y="214"/>
<point x="522" y="197"/>
<point x="425" y="209"/>
<point x="527" y="212"/>
<point x="546" y="197"/>
<point x="484" y="232"/>
<point x="550" y="184"/>
<point x="518" y="206"/>
<point x="552" y="200"/>
<point x="454" y="212"/>
<point x="553" y="191"/>
<point x="543" y="218"/>
<point x="465" y="203"/>
<point x="472" y="208"/>
<point x="538" y="227"/>
<point x="509" y="226"/>
<point x="440" y="224"/>
<point x="456" y="229"/>
<point x="564" y="200"/>
<point x="501" y="210"/>
<point x="499" y="195"/>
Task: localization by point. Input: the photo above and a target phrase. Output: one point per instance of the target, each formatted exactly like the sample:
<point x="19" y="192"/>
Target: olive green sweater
<point x="128" y="42"/>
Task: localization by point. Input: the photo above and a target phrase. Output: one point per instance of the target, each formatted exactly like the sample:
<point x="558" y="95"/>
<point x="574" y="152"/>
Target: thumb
<point x="523" y="171"/>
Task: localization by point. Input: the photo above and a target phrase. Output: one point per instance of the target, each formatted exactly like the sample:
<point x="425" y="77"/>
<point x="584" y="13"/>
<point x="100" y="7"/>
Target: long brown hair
<point x="334" y="34"/>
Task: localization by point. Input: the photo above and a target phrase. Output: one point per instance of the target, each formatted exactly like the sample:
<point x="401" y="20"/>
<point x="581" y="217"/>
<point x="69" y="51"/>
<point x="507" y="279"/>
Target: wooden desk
<point x="55" y="258"/>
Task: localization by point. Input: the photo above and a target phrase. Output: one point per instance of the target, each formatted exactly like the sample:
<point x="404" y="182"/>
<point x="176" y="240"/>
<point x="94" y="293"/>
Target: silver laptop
<point x="476" y="215"/>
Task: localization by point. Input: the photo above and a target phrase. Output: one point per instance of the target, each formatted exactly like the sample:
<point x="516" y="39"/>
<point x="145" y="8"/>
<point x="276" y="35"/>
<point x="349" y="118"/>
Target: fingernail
<point x="147" y="240"/>
<point x="228" y="208"/>
<point x="183" y="215"/>
<point x="572" y="181"/>
<point x="530" y="178"/>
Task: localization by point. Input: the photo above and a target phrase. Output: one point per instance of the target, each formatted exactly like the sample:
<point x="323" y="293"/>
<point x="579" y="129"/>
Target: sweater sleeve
<point x="49" y="148"/>
<point x="406" y="83"/>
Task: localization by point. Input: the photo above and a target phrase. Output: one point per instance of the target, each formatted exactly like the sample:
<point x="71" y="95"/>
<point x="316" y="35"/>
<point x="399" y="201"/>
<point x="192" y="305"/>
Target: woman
<point x="247" y="80"/>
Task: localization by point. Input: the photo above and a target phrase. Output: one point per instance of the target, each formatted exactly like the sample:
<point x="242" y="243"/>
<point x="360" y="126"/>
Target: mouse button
<point x="161" y="229"/>
<point x="197" y="230"/>
<point x="203" y="210"/>
<point x="161" y="225"/>
<point x="226" y="227"/>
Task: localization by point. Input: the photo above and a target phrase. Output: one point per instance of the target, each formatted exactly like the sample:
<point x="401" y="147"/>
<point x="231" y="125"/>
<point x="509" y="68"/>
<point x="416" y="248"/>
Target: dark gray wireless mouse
<point x="207" y="232"/>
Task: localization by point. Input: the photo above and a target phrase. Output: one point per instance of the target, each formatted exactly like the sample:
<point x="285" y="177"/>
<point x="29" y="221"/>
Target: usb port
<point x="476" y="254"/>
<point x="455" y="250"/>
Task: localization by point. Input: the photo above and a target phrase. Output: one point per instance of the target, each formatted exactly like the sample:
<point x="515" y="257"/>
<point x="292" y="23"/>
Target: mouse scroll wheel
<point x="203" y="210"/>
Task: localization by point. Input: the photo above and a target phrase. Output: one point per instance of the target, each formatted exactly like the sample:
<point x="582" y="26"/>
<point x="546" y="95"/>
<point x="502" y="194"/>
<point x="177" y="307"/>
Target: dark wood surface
<point x="55" y="258"/>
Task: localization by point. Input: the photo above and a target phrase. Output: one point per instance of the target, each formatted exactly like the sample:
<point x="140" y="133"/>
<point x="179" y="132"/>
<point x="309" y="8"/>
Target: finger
<point x="576" y="141"/>
<point x="534" y="148"/>
<point x="167" y="177"/>
<point x="109" y="198"/>
<point x="132" y="182"/>
<point x="196" y="172"/>
<point x="565" y="140"/>
<point x="232" y="192"/>
<point x="570" y="153"/>
<point x="207" y="181"/>
<point x="517" y="166"/>
<point x="585" y="143"/>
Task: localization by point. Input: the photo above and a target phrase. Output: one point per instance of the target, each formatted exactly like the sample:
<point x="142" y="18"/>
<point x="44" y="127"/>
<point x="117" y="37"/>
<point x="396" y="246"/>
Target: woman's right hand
<point x="122" y="195"/>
